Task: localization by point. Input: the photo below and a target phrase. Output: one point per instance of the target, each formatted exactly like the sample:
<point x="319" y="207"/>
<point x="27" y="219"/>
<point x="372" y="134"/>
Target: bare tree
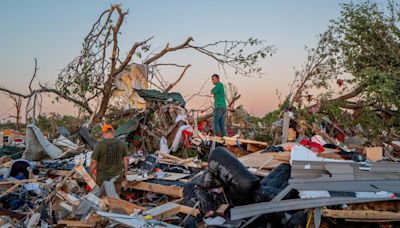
<point x="17" y="103"/>
<point x="88" y="81"/>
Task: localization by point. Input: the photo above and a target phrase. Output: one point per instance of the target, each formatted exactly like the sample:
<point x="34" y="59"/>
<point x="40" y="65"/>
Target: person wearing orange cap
<point x="109" y="159"/>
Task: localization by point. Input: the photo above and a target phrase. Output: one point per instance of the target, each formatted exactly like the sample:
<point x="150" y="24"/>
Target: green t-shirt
<point x="109" y="155"/>
<point x="219" y="95"/>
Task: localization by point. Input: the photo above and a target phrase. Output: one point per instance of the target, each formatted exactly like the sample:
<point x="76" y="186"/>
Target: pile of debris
<point x="315" y="178"/>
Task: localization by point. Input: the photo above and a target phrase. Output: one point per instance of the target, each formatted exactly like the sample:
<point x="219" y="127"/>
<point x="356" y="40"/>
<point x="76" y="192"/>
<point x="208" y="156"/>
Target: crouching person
<point x="109" y="159"/>
<point x="23" y="169"/>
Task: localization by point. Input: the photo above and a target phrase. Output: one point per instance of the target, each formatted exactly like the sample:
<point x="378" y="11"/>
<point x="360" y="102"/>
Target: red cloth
<point x="200" y="127"/>
<point x="309" y="144"/>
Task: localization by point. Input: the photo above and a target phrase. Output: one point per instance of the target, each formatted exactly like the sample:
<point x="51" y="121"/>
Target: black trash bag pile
<point x="224" y="170"/>
<point x="273" y="183"/>
<point x="200" y="189"/>
<point x="240" y="186"/>
<point x="238" y="183"/>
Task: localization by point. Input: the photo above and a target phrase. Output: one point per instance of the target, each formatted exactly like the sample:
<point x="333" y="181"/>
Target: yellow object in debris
<point x="127" y="80"/>
<point x="148" y="217"/>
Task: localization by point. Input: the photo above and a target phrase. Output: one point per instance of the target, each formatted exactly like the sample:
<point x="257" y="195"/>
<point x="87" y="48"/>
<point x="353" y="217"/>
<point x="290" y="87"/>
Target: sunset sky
<point x="52" y="31"/>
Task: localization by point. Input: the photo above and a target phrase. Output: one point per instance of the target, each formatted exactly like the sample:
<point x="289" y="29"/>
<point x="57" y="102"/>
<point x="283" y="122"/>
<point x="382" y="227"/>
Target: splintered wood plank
<point x="75" y="223"/>
<point x="88" y="179"/>
<point x="169" y="209"/>
<point x="258" y="159"/>
<point x="8" y="182"/>
<point x="123" y="206"/>
<point x="65" y="173"/>
<point x="164" y="211"/>
<point x="68" y="197"/>
<point x="361" y="214"/>
<point x="188" y="210"/>
<point x="9" y="190"/>
<point x="169" y="156"/>
<point x="16" y="184"/>
<point x="174" y="191"/>
<point x="236" y="151"/>
<point x="231" y="141"/>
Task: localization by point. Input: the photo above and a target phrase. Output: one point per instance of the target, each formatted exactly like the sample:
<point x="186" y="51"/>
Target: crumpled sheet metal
<point x="37" y="145"/>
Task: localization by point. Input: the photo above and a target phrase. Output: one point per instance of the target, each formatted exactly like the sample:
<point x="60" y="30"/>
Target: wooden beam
<point x="173" y="191"/>
<point x="248" y="141"/>
<point x="282" y="157"/>
<point x="19" y="181"/>
<point x="8" y="191"/>
<point x="16" y="184"/>
<point x="265" y="163"/>
<point x="189" y="210"/>
<point x="164" y="211"/>
<point x="64" y="173"/>
<point x="85" y="175"/>
<point x="170" y="176"/>
<point x="231" y="141"/>
<point x="75" y="223"/>
<point x="122" y="206"/>
<point x="59" y="185"/>
<point x="285" y="127"/>
<point x="169" y="156"/>
<point x="361" y="214"/>
<point x="258" y="159"/>
<point x="169" y="209"/>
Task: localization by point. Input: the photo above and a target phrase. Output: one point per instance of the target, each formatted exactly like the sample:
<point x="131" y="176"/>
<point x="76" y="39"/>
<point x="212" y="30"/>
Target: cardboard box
<point x="374" y="153"/>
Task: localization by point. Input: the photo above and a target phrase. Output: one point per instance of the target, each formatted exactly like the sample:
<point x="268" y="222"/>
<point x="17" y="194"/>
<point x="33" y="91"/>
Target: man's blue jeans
<point x="219" y="121"/>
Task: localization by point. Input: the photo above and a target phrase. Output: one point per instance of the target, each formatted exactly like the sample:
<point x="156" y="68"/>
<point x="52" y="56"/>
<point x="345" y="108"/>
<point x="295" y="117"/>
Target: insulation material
<point x="126" y="81"/>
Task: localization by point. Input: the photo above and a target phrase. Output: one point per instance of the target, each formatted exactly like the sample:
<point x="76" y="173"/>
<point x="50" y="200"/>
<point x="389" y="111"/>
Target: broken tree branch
<point x="33" y="76"/>
<point x="178" y="80"/>
<point x="130" y="54"/>
<point x="168" y="49"/>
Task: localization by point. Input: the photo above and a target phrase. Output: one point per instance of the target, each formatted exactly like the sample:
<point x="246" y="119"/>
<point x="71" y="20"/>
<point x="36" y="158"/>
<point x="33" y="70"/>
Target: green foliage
<point x="50" y="123"/>
<point x="364" y="43"/>
<point x="44" y="123"/>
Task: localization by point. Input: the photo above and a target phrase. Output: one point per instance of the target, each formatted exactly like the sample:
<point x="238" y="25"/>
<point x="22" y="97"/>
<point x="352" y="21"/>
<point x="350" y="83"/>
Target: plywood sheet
<point x="258" y="159"/>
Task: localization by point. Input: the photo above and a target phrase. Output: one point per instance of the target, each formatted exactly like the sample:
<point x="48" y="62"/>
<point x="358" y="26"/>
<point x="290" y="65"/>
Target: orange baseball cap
<point x="106" y="127"/>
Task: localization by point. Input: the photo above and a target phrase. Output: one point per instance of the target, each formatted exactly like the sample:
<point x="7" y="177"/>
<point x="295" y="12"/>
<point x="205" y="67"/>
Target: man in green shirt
<point x="109" y="159"/>
<point x="219" y="106"/>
